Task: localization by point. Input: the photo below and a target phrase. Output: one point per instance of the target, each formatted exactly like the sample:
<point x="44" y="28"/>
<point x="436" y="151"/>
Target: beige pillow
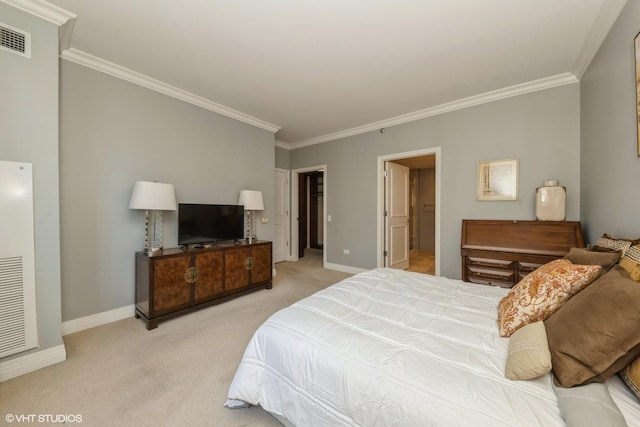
<point x="542" y="292"/>
<point x="528" y="356"/>
<point x="631" y="262"/>
<point x="597" y="332"/>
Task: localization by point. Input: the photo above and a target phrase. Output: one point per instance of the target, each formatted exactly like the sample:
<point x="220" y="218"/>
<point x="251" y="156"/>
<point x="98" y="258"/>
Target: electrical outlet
<point x="265" y="220"/>
<point x="346" y="252"/>
<point x="328" y="218"/>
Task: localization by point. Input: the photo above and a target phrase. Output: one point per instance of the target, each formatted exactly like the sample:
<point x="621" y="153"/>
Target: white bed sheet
<point x="626" y="401"/>
<point x="391" y="348"/>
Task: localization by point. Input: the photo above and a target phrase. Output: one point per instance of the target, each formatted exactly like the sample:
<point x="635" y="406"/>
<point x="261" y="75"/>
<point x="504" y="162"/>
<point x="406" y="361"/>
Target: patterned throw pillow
<point x="610" y="243"/>
<point x="631" y="262"/>
<point x="542" y="292"/>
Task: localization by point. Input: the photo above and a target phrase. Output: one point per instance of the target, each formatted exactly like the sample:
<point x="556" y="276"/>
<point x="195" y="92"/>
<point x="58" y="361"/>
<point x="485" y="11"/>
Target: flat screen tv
<point x="199" y="224"/>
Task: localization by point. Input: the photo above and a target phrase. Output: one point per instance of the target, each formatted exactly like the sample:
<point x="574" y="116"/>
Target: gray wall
<point x="29" y="133"/>
<point x="283" y="158"/>
<point x="541" y="129"/>
<point x="609" y="161"/>
<point x="114" y="133"/>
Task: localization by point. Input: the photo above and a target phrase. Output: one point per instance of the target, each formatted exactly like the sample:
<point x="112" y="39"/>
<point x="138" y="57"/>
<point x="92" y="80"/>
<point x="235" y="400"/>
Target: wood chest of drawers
<point x="502" y="252"/>
<point x="179" y="281"/>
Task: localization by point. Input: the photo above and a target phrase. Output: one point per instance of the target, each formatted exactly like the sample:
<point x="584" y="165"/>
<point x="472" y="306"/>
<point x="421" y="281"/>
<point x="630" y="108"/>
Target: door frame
<point x="295" y="174"/>
<point x="381" y="199"/>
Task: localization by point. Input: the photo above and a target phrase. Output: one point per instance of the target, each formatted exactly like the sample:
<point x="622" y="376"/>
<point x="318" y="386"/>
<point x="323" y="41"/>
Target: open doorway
<point x="308" y="205"/>
<point x="310" y="211"/>
<point x="424" y="207"/>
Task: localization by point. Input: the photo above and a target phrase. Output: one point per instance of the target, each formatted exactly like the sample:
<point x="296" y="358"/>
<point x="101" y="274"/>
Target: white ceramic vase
<point x="551" y="201"/>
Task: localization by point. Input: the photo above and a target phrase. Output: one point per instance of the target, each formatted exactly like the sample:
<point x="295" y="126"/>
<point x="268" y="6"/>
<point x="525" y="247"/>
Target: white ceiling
<point x="319" y="68"/>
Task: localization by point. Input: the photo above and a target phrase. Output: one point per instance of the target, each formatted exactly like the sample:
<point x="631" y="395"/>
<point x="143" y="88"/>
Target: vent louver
<point x="15" y="41"/>
<point x="11" y="305"/>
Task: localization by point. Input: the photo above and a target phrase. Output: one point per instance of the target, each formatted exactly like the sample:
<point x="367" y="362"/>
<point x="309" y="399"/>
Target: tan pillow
<point x="528" y="356"/>
<point x="542" y="292"/>
<point x="597" y="332"/>
<point x="631" y="262"/>
<point x="584" y="256"/>
<point x="631" y="376"/>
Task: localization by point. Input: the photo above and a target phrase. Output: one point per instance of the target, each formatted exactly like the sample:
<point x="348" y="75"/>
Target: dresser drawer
<point x="489" y="281"/>
<point x="489" y="271"/>
<point x="493" y="264"/>
<point x="525" y="268"/>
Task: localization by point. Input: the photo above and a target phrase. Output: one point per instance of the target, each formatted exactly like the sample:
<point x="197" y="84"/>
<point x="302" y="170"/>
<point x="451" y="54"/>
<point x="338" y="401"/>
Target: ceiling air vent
<point x="15" y="41"/>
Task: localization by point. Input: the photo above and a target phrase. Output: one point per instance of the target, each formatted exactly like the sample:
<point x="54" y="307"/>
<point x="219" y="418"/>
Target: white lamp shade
<point x="252" y="200"/>
<point x="153" y="196"/>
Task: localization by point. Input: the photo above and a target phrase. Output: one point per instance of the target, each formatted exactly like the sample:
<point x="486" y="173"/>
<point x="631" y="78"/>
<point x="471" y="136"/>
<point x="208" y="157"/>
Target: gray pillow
<point x="588" y="405"/>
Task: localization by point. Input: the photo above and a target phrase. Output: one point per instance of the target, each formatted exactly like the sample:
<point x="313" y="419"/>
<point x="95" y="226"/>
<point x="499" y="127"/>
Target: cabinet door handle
<point x="191" y="275"/>
<point x="248" y="263"/>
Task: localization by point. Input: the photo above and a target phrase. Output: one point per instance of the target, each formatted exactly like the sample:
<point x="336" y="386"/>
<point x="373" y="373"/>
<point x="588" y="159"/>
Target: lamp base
<point x="153" y="232"/>
<point x="251" y="228"/>
<point x="153" y="251"/>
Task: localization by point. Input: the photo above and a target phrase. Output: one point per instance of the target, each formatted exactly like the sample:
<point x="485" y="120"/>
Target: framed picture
<point x="498" y="180"/>
<point x="637" y="58"/>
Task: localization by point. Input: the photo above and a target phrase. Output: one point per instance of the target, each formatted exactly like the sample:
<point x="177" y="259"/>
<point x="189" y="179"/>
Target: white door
<point x="397" y="215"/>
<point x="281" y="240"/>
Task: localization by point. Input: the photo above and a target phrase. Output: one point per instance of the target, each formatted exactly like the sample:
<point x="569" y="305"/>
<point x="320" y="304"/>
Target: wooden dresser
<point x="179" y="281"/>
<point x="500" y="253"/>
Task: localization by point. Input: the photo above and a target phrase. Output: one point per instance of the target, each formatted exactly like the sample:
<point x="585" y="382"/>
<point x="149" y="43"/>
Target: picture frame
<point x="637" y="65"/>
<point x="497" y="180"/>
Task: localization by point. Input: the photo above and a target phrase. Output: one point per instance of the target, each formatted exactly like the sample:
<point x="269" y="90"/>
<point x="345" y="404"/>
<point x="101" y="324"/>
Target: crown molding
<point x="99" y="64"/>
<point x="283" y="145"/>
<point x="605" y="20"/>
<point x="507" y="92"/>
<point x="64" y="19"/>
<point x="43" y="9"/>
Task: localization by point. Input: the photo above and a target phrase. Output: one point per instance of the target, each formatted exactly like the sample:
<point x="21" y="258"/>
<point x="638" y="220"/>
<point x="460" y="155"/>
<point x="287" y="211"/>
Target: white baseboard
<point x="77" y="325"/>
<point x="32" y="362"/>
<point x="345" y="268"/>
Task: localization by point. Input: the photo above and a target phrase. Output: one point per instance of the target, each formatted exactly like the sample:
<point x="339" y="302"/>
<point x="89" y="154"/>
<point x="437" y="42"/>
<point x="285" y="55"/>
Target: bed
<point x="393" y="348"/>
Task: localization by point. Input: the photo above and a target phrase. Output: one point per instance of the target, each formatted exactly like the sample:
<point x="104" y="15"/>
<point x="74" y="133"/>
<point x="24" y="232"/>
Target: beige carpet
<point x="120" y="374"/>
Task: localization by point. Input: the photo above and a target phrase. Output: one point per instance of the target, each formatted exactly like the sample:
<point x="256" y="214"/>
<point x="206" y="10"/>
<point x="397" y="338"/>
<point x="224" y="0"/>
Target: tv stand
<point x="178" y="281"/>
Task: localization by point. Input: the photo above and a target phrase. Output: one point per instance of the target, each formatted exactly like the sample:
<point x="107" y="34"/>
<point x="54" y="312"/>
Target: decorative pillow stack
<point x="577" y="316"/>
<point x="597" y="332"/>
<point x="542" y="292"/>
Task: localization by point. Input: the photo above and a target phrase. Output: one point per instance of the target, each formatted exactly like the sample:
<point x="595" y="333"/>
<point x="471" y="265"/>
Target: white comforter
<point x="390" y="348"/>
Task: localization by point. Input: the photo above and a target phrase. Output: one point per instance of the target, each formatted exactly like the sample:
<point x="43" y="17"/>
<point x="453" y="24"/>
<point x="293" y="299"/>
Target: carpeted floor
<point x="120" y="374"/>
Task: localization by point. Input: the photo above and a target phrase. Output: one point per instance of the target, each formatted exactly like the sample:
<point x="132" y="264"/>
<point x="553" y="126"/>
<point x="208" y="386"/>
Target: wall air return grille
<point x="18" y="316"/>
<point x="15" y="41"/>
<point x="11" y="305"/>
